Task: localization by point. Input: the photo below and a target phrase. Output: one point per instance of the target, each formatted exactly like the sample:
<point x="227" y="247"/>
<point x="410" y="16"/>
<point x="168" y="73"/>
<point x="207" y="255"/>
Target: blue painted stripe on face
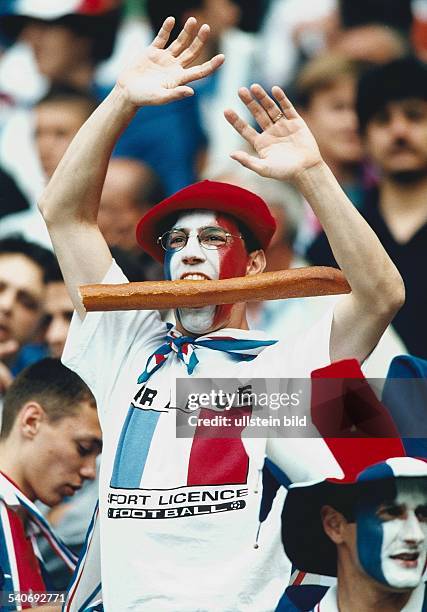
<point x="369" y="543"/>
<point x="167" y="265"/>
<point x="132" y="450"/>
<point x="370" y="533"/>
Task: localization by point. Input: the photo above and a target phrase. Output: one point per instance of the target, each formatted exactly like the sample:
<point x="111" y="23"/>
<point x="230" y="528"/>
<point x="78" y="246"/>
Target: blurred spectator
<point x="52" y="42"/>
<point x="375" y="43"/>
<point x="58" y="310"/>
<point x="57" y="118"/>
<point x="294" y="30"/>
<point x="298" y="30"/>
<point x="325" y="94"/>
<point x="24" y="271"/>
<point x="218" y="91"/>
<point x="67" y="42"/>
<point x="375" y="31"/>
<point x="170" y="139"/>
<point x="130" y="189"/>
<point x="392" y="110"/>
<point x="49" y="442"/>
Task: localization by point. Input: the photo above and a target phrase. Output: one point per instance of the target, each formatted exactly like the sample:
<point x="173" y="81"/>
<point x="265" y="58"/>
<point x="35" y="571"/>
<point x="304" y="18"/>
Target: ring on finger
<point x="277" y="117"/>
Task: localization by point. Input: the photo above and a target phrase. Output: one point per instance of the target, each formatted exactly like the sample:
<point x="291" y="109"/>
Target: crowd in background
<point x="355" y="72"/>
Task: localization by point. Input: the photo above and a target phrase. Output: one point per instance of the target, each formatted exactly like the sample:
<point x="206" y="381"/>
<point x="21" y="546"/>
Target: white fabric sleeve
<point x="96" y="347"/>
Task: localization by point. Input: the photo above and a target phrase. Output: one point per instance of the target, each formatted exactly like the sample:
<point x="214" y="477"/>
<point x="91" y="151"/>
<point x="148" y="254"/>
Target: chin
<point x="202" y="321"/>
<point x="403" y="579"/>
<point x="50" y="499"/>
<point x="197" y="320"/>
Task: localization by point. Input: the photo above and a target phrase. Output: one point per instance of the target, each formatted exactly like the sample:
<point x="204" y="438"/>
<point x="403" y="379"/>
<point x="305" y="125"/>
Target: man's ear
<point x="31" y="417"/>
<point x="333" y="523"/>
<point x="256" y="262"/>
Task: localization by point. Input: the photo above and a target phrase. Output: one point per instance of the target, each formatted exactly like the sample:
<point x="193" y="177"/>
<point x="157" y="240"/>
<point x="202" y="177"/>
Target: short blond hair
<point x="321" y="73"/>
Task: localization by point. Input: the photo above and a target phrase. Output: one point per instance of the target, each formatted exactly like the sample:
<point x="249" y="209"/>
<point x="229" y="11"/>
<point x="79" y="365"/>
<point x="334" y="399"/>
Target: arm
<point x="70" y="202"/>
<point x="287" y="151"/>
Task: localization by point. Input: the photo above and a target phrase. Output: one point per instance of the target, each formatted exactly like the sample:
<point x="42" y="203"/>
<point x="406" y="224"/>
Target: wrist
<point x="121" y="102"/>
<point x="308" y="177"/>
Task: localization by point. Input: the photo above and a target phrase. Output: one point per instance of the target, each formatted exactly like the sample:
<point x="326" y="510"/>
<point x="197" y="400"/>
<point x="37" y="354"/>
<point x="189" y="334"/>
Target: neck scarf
<point x="185" y="348"/>
<point x="11" y="497"/>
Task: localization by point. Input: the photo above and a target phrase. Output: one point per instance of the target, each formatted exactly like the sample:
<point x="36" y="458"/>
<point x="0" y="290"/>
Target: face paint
<point x="194" y="261"/>
<point x="392" y="537"/>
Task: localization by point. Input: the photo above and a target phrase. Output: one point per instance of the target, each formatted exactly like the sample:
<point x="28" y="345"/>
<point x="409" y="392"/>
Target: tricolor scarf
<point x="12" y="565"/>
<point x="85" y="593"/>
<point x="185" y="347"/>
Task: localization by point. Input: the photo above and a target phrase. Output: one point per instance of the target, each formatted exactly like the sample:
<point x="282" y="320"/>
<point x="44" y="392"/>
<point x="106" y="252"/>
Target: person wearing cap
<point x="391" y="106"/>
<point x="370" y="533"/>
<point x="184" y="512"/>
<point x="68" y="39"/>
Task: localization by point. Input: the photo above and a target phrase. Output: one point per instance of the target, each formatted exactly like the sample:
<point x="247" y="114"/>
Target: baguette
<point x="156" y="295"/>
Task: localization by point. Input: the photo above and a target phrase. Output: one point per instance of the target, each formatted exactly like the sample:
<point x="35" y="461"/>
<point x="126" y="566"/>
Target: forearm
<point x="356" y="248"/>
<point x="74" y="190"/>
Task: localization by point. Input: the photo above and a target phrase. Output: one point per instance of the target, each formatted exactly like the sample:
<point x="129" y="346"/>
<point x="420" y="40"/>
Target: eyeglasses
<point x="209" y="238"/>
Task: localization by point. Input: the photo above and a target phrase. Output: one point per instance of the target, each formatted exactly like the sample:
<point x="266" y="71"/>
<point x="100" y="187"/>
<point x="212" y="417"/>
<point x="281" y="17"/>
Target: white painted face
<point x="193" y="259"/>
<point x="404" y="546"/>
<point x="194" y="262"/>
<point x="392" y="536"/>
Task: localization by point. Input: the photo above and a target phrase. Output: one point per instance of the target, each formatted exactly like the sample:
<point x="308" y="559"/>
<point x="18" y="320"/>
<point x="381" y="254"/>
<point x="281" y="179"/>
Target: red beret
<point x="243" y="205"/>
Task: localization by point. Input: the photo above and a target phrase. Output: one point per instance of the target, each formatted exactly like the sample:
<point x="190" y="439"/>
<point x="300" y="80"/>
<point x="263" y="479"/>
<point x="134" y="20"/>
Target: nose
<point x="56" y="333"/>
<point x="192" y="253"/>
<point x="7" y="300"/>
<point x="399" y="125"/>
<point x="351" y="119"/>
<point x="88" y="469"/>
<point x="414" y="532"/>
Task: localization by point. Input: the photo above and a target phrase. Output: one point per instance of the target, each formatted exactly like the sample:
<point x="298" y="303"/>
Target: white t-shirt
<point x="179" y="516"/>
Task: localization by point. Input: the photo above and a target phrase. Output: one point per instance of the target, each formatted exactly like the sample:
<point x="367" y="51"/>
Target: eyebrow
<point x="186" y="229"/>
<point x="23" y="294"/>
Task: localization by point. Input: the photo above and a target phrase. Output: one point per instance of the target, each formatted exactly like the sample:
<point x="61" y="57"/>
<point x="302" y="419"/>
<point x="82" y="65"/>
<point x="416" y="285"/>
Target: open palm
<point x="285" y="147"/>
<point x="161" y="74"/>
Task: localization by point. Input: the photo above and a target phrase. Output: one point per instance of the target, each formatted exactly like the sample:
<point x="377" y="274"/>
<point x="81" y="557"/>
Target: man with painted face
<point x="371" y="534"/>
<point x="184" y="512"/>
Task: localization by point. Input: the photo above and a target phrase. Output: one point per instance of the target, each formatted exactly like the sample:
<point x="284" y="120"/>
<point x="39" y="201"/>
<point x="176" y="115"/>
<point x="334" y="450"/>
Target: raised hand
<point x="161" y="74"/>
<point x="285" y="147"/>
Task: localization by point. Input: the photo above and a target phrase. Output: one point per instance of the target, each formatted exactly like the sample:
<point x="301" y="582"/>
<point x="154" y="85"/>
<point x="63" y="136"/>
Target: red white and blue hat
<point x="304" y="540"/>
<point x="246" y="207"/>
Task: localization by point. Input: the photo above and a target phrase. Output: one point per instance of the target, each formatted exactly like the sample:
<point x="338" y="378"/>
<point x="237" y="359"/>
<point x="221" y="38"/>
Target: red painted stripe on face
<point x="232" y="262"/>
